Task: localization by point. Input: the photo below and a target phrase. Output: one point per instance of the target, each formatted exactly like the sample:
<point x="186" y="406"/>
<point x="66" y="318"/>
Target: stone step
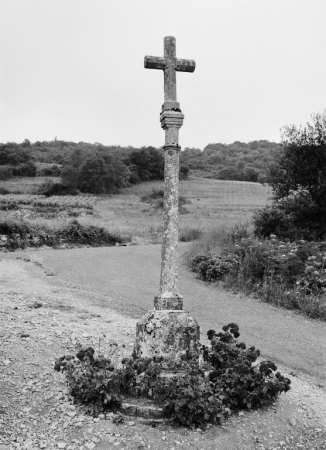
<point x="142" y="409"/>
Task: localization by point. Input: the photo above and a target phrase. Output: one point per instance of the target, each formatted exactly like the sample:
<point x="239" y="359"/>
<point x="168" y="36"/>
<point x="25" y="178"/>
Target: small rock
<point x="293" y="422"/>
<point x="61" y="444"/>
<point x="101" y="416"/>
<point x="37" y="305"/>
<point x="131" y="423"/>
<point x="90" y="445"/>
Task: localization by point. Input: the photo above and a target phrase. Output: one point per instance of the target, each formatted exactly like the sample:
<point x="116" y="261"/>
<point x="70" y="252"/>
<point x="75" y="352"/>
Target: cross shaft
<point x="171" y="120"/>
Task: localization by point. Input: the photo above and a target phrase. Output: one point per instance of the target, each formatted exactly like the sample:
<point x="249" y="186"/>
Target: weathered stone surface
<point x="175" y="303"/>
<point x="168" y="330"/>
<point x="166" y="333"/>
<point x="170" y="64"/>
<point x="141" y="407"/>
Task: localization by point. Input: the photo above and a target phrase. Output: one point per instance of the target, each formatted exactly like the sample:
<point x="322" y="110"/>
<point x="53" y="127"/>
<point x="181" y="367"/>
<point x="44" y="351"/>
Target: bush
<point x="189" y="234"/>
<point x="154" y="195"/>
<point x="27" y="169"/>
<point x="4" y="191"/>
<point x="295" y="217"/>
<point x="298" y="179"/>
<point x="208" y="386"/>
<point x="50" y="189"/>
<point x="287" y="274"/>
<point x="157" y="198"/>
<point x="75" y="233"/>
<point x="183" y="172"/>
<point x="22" y="234"/>
<point x="6" y="172"/>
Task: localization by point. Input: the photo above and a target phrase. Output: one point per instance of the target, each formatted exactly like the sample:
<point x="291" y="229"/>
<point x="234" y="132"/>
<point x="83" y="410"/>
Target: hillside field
<point x="210" y="204"/>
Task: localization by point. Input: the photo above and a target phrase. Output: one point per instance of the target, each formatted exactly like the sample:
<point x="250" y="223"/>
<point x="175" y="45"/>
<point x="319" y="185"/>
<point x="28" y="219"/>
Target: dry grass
<point x="214" y="204"/>
<point x="26" y="185"/>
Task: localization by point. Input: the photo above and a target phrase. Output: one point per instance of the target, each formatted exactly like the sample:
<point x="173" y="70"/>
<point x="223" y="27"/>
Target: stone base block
<point x="142" y="408"/>
<point x="167" y="333"/>
<point x="168" y="303"/>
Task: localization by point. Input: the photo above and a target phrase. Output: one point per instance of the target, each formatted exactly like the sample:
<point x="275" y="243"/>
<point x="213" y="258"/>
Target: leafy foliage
<point x="6" y="172"/>
<point x="298" y="180"/>
<point x="204" y="388"/>
<point x="146" y="164"/>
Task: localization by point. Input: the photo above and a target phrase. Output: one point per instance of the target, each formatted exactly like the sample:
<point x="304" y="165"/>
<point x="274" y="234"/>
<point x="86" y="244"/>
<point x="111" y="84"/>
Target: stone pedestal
<point x="167" y="333"/>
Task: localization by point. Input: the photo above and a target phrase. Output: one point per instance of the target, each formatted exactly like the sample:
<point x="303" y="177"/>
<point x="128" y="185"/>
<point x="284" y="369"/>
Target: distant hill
<point x="238" y="161"/>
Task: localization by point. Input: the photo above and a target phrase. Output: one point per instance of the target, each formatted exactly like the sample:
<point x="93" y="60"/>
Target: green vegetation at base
<point x="208" y="386"/>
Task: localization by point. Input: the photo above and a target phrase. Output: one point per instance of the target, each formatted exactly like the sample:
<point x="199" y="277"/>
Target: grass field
<point x="26" y="185"/>
<point x="213" y="204"/>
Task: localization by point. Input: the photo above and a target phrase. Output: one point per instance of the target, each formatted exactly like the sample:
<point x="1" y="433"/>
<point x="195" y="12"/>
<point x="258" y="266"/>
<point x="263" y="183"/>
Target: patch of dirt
<point x="41" y="319"/>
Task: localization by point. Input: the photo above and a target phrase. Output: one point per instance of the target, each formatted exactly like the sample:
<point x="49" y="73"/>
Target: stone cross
<point x="171" y="120"/>
<point x="168" y="330"/>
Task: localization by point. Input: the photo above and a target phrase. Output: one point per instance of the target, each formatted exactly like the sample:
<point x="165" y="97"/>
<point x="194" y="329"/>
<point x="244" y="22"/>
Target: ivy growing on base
<point x="209" y="386"/>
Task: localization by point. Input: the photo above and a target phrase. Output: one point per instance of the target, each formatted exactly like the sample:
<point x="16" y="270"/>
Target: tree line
<point x="238" y="161"/>
<point x="112" y="167"/>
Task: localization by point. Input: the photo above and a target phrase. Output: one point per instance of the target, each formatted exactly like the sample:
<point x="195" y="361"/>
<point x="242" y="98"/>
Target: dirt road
<point x="127" y="278"/>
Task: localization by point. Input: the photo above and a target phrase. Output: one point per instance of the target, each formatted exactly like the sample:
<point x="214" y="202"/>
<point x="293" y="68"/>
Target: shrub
<point x="22" y="234"/>
<point x="154" y="195"/>
<point x="183" y="172"/>
<point x="27" y="169"/>
<point x="75" y="233"/>
<point x="240" y="384"/>
<point x="4" y="191"/>
<point x="207" y="386"/>
<point x="293" y="218"/>
<point x="50" y="189"/>
<point x="213" y="267"/>
<point x="288" y="274"/>
<point x="189" y="234"/>
<point x="6" y="172"/>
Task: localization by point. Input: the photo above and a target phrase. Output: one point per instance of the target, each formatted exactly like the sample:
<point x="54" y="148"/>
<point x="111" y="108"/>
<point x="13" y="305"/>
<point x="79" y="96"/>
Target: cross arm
<point x="185" y="65"/>
<point x="154" y="62"/>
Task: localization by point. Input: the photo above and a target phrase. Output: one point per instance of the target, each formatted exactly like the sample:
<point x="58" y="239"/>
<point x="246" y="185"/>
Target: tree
<point x="94" y="172"/>
<point x="148" y="163"/>
<point x="298" y="180"/>
<point x="93" y="175"/>
<point x="300" y="167"/>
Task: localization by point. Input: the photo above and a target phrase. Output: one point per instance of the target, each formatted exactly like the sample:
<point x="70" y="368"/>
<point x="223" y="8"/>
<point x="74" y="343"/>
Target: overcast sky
<point x="74" y="69"/>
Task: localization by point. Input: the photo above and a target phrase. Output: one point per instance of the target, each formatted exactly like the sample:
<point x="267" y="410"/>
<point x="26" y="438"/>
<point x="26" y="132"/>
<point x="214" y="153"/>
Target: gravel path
<point x="51" y="302"/>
